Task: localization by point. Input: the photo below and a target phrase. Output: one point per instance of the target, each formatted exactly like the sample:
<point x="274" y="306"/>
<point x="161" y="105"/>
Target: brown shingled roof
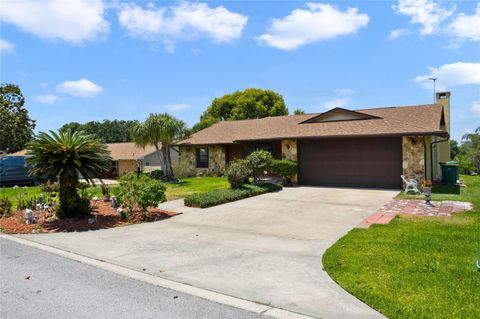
<point x="118" y="151"/>
<point x="405" y="120"/>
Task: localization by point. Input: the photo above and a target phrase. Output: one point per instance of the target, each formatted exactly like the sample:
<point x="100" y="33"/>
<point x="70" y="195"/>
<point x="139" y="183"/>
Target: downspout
<point x="431" y="154"/>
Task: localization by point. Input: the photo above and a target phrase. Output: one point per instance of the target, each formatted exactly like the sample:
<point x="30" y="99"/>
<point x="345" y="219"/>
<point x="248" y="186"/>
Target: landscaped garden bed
<point x="416" y="266"/>
<point x="223" y="196"/>
<point x="102" y="216"/>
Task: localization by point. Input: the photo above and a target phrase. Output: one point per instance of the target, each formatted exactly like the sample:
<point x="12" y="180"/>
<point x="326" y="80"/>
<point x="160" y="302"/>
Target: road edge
<point x="262" y="310"/>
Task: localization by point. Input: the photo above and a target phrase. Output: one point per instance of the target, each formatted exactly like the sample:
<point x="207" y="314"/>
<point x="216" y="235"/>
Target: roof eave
<point x="426" y="133"/>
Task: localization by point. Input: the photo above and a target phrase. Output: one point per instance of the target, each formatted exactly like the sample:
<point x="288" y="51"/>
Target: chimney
<point x="443" y="98"/>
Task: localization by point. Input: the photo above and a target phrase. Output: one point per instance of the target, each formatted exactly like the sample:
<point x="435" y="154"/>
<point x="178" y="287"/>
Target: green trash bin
<point x="450" y="172"/>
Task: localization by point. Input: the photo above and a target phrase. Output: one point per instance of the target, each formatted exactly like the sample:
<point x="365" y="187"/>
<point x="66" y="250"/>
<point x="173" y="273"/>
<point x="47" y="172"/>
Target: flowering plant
<point x="427" y="183"/>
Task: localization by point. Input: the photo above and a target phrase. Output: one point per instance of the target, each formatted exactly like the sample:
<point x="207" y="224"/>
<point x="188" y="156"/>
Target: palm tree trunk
<point x="168" y="166"/>
<point x="160" y="157"/>
<point x="170" y="161"/>
<point x="69" y="199"/>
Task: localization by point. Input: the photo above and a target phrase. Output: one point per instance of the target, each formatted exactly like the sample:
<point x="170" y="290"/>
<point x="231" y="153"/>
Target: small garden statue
<point x="114" y="202"/>
<point x="29" y="219"/>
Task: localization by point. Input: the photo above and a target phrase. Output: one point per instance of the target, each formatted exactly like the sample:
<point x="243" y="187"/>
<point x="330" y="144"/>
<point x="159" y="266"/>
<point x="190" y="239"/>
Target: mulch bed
<point x="105" y="217"/>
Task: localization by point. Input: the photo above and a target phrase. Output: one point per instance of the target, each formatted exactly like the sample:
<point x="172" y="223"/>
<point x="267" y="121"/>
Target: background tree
<point x="63" y="157"/>
<point x="469" y="152"/>
<point x="240" y="105"/>
<point x="160" y="130"/>
<point x="17" y="126"/>
<point x="454" y="149"/>
<point x="116" y="131"/>
<point x="298" y="111"/>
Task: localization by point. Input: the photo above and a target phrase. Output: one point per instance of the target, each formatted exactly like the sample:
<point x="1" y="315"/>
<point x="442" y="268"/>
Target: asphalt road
<point x="37" y="284"/>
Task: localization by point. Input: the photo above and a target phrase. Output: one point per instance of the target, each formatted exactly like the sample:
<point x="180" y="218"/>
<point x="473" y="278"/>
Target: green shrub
<point x="237" y="172"/>
<point x="156" y="174"/>
<point x="5" y="206"/>
<point x="141" y="192"/>
<point x="259" y="162"/>
<point x="284" y="168"/>
<point x="221" y="196"/>
<point x="181" y="169"/>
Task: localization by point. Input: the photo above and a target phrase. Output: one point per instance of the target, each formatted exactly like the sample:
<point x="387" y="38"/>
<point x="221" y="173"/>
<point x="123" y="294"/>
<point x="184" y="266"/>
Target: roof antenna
<point x="434" y="93"/>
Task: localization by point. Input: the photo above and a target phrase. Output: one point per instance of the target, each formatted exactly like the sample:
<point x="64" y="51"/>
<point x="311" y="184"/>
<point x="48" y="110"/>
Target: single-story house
<point x="126" y="156"/>
<point x="345" y="148"/>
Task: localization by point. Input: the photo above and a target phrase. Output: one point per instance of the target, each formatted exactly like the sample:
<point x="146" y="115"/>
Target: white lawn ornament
<point x="411" y="185"/>
<point x="29" y="219"/>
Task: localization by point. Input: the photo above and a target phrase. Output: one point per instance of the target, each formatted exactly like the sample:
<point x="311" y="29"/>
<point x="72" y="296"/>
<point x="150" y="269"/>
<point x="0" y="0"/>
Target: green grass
<point x="193" y="185"/>
<point x="189" y="186"/>
<point x="35" y="191"/>
<point x="415" y="267"/>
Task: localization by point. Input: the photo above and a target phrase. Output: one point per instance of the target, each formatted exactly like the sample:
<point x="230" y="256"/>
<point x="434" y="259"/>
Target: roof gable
<point x="339" y="114"/>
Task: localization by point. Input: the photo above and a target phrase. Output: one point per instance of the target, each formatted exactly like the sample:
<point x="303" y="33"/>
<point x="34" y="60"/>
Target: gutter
<point x="431" y="154"/>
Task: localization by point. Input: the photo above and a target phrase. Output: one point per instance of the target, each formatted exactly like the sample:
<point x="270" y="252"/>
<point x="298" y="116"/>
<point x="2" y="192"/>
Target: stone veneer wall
<point x="216" y="160"/>
<point x="413" y="150"/>
<point x="289" y="152"/>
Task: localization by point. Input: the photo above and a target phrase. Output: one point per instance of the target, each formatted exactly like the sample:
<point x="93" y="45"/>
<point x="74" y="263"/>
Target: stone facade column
<point x="289" y="152"/>
<point x="413" y="157"/>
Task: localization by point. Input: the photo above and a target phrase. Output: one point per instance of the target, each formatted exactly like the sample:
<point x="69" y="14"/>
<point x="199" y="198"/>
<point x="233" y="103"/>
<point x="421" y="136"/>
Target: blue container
<point x="15" y="171"/>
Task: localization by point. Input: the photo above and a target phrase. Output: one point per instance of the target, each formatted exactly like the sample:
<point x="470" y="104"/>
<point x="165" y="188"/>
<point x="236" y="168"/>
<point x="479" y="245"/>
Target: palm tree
<point x="63" y="157"/>
<point x="160" y="130"/>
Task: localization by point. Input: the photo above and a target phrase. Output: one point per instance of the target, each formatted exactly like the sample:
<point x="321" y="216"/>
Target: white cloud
<point x="344" y="91"/>
<point x="315" y="23"/>
<point x="80" y="88"/>
<point x="451" y="75"/>
<point x="475" y="108"/>
<point x="428" y="13"/>
<point x="467" y="27"/>
<point x="397" y="33"/>
<point x="177" y="107"/>
<point x="331" y="104"/>
<point x="6" y="47"/>
<point x="74" y="21"/>
<point x="182" y="21"/>
<point x="46" y="99"/>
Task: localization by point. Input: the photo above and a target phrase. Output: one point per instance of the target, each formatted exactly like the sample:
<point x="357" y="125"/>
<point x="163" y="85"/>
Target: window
<point x="147" y="163"/>
<point x="202" y="157"/>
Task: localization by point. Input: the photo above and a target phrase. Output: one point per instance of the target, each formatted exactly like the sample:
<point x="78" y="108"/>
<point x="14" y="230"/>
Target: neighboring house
<point x="361" y="148"/>
<point x="127" y="155"/>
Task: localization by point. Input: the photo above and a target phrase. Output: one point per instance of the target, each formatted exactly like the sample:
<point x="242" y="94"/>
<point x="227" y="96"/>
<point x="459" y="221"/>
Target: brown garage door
<point x="366" y="162"/>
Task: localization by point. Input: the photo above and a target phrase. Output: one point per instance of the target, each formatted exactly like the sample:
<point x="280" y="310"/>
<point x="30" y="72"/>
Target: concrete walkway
<point x="267" y="249"/>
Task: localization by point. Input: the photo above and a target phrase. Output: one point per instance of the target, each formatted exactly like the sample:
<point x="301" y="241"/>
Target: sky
<point x="84" y="60"/>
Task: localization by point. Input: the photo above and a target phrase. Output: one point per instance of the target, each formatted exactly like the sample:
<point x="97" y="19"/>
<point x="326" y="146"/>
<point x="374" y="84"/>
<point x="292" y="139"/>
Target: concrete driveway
<point x="266" y="249"/>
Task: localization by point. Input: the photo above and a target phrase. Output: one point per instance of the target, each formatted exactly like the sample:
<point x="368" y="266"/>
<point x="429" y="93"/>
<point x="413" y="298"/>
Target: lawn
<point x="188" y="186"/>
<point x="192" y="185"/>
<point x="415" y="267"/>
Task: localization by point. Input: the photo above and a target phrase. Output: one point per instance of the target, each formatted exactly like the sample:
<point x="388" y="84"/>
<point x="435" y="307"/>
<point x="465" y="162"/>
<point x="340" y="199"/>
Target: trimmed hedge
<point x="222" y="196"/>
